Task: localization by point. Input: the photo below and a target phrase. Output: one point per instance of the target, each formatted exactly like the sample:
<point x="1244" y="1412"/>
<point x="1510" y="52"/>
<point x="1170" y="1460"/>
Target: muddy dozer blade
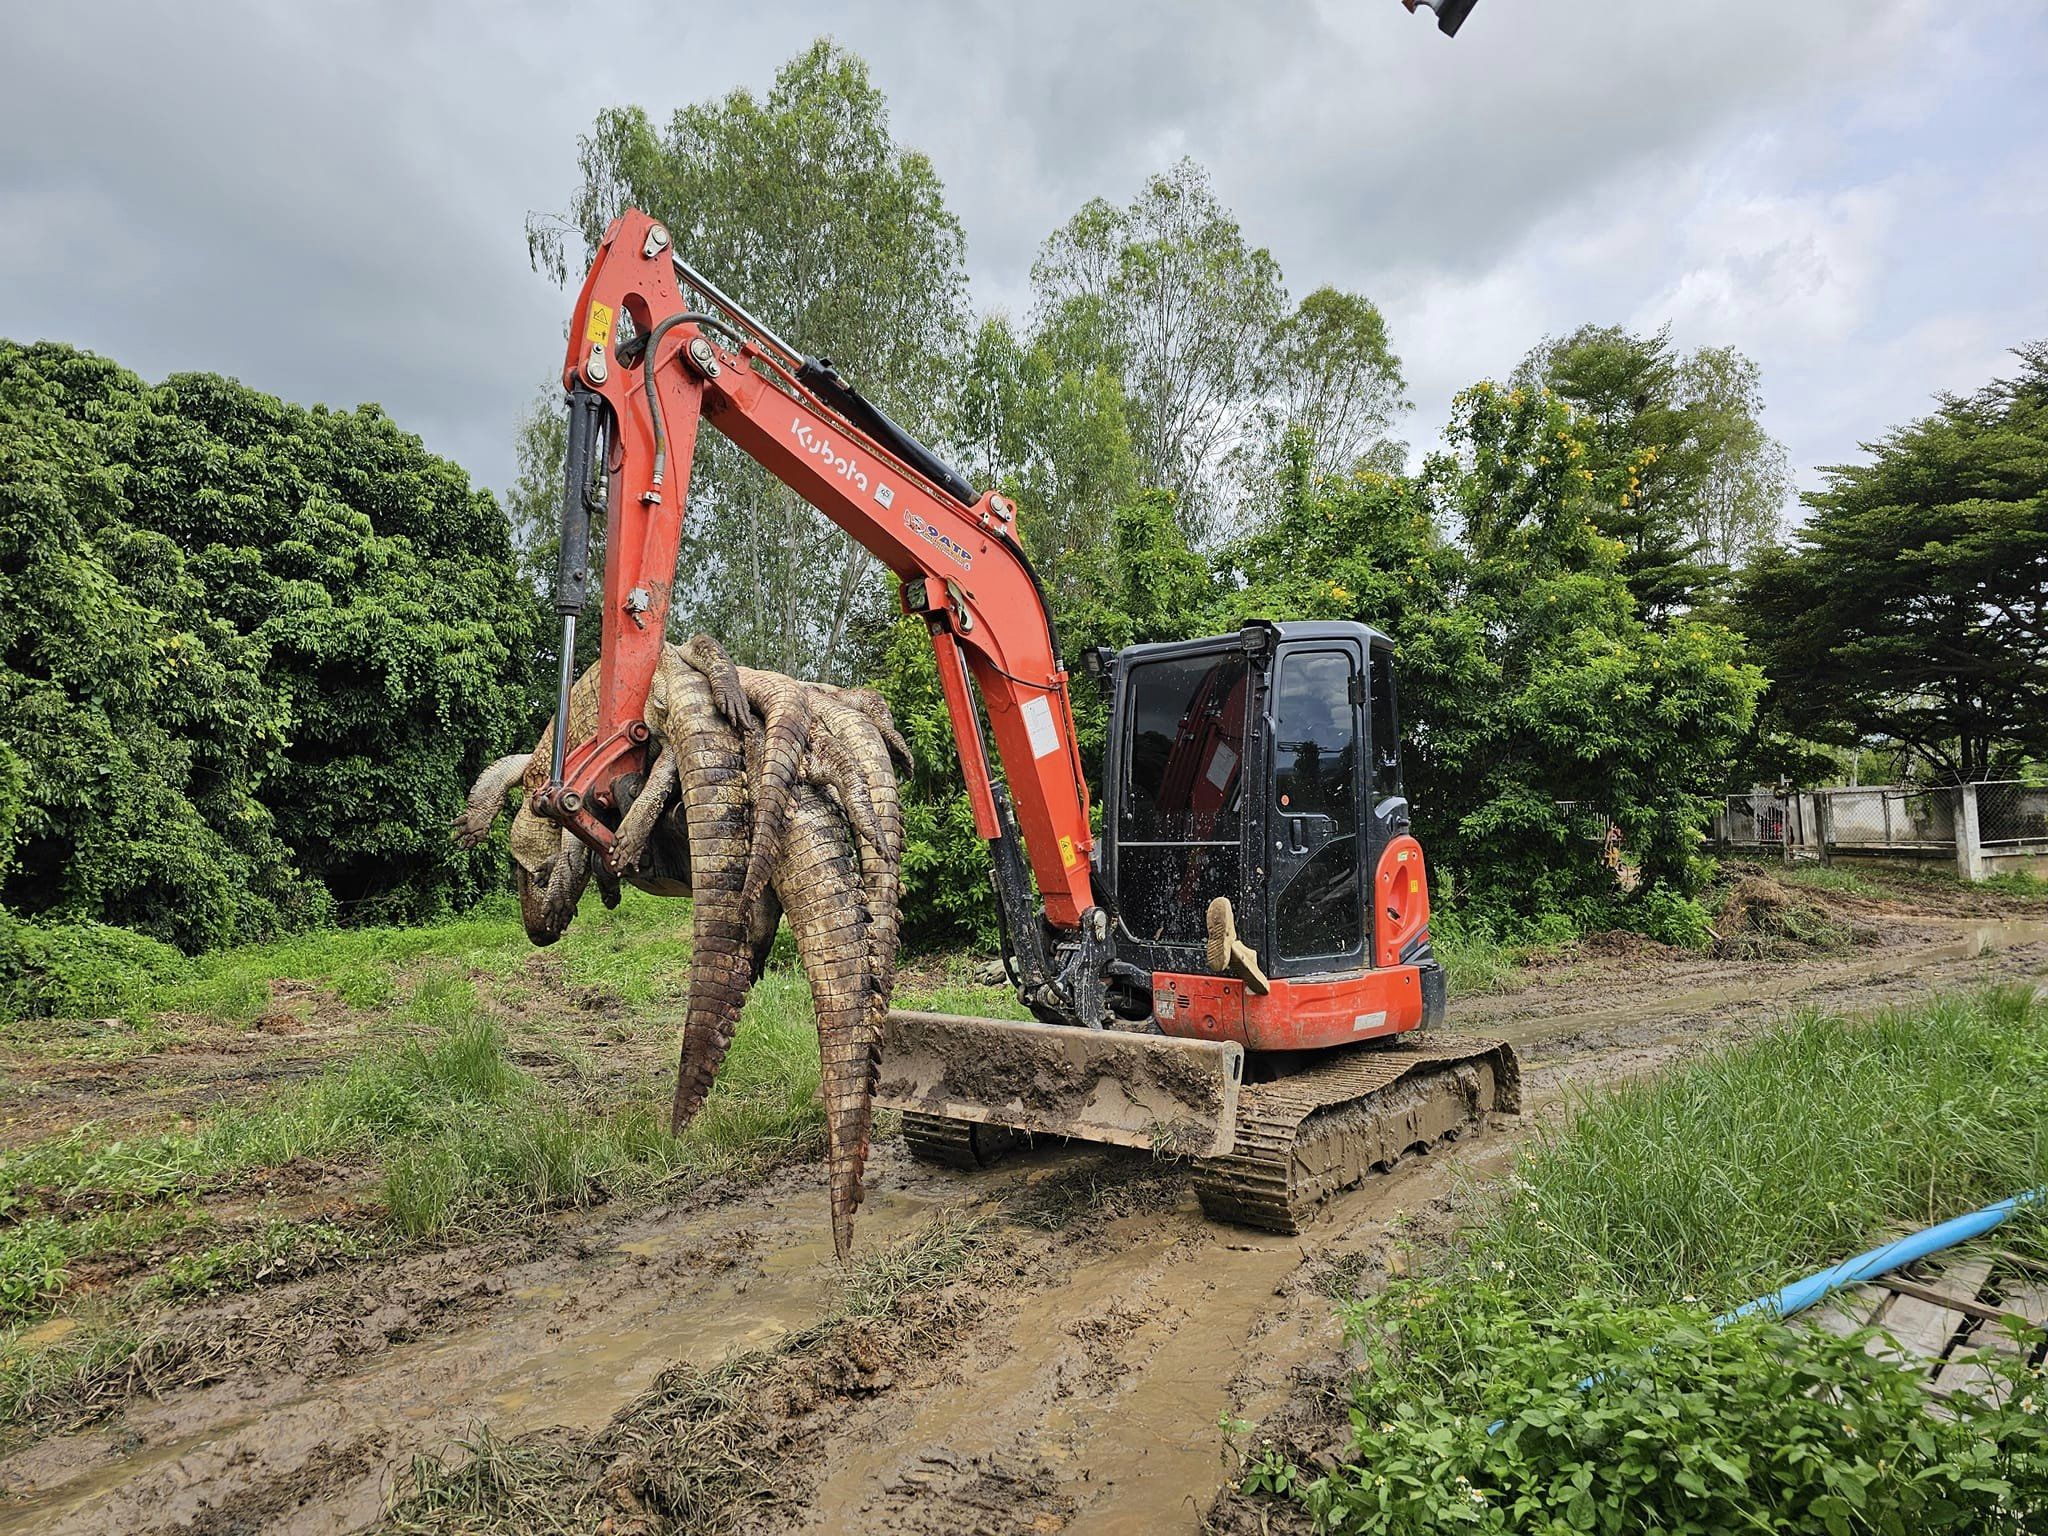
<point x="1133" y="1090"/>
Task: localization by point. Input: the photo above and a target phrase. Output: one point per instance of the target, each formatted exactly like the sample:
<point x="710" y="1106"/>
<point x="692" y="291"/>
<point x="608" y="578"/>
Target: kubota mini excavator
<point x="1238" y="969"/>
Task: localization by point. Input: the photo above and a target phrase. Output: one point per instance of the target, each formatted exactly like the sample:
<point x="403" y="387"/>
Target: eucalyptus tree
<point x="802" y="206"/>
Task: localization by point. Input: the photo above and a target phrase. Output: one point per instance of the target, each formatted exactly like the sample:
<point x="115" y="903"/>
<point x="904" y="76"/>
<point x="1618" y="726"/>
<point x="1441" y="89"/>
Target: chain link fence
<point x="1916" y="820"/>
<point x="2010" y="822"/>
<point x="2013" y="815"/>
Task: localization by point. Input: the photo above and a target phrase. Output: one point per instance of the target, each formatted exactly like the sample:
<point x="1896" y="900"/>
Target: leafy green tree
<point x="1334" y="379"/>
<point x="1536" y="702"/>
<point x="1913" y="604"/>
<point x="250" y="654"/>
<point x="1056" y="440"/>
<point x="1682" y="471"/>
<point x="805" y="209"/>
<point x="1737" y="509"/>
<point x="1169" y="295"/>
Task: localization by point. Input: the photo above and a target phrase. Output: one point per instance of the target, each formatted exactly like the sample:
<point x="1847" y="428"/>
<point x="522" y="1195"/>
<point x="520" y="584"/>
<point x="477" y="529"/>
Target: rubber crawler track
<point x="1264" y="1182"/>
<point x="956" y="1143"/>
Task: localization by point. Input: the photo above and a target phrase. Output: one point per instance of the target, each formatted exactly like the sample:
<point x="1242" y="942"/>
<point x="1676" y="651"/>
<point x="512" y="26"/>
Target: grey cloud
<point x="327" y="202"/>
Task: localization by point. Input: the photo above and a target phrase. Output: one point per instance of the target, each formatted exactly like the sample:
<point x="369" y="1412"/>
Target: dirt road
<point x="1081" y="1388"/>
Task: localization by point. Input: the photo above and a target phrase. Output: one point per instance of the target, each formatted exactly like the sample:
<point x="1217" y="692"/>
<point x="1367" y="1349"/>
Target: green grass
<point x="1824" y="877"/>
<point x="2017" y="882"/>
<point x="1557" y="1371"/>
<point x="1729" y="1175"/>
<point x="1478" y="958"/>
<point x="433" y="1104"/>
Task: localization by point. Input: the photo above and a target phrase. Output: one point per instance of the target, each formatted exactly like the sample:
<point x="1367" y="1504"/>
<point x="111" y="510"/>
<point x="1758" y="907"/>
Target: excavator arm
<point x="643" y="370"/>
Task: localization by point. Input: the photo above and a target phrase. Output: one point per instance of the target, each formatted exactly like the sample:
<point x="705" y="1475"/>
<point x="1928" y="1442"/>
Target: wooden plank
<point x="1846" y="1311"/>
<point x="2029" y="1298"/>
<point x="1922" y="1329"/>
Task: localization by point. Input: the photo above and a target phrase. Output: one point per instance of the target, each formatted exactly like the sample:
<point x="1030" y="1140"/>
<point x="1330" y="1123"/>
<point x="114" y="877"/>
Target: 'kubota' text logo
<point x="946" y="545"/>
<point x="838" y="463"/>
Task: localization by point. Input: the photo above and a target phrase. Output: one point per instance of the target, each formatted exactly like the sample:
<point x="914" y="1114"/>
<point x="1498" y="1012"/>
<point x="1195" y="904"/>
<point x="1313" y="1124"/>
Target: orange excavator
<point x="1237" y="969"/>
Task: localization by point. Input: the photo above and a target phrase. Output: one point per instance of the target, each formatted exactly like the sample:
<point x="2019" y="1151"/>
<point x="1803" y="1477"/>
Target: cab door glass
<point x="1317" y="908"/>
<point x="1180" y="814"/>
<point x="1386" y="731"/>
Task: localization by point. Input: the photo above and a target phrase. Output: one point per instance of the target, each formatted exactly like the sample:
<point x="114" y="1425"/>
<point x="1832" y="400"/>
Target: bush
<point x="79" y="970"/>
<point x="1680" y="1428"/>
<point x="251" y="655"/>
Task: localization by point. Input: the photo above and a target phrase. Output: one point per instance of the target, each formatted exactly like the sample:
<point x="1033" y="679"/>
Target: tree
<point x="1336" y="381"/>
<point x="805" y="210"/>
<point x="1056" y="440"/>
<point x="1536" y="703"/>
<point x="250" y="655"/>
<point x="1737" y="508"/>
<point x="533" y="502"/>
<point x="1168" y="295"/>
<point x="1682" y="472"/>
<point x="1913" y="605"/>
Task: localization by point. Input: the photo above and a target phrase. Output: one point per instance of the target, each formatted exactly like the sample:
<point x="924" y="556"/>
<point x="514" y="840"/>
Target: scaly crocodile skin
<point x="802" y="796"/>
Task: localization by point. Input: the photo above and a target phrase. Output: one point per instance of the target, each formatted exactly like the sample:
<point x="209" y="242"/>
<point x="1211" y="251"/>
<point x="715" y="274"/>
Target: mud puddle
<point x="568" y="1343"/>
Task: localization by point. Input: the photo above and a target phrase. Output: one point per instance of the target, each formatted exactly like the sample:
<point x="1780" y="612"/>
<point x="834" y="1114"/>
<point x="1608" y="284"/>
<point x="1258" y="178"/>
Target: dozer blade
<point x="1133" y="1090"/>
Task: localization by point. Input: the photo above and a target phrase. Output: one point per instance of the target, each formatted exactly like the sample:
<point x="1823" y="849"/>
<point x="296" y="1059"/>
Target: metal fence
<point x="1754" y="820"/>
<point x="2008" y="818"/>
<point x="1888" y="816"/>
<point x="2012" y="815"/>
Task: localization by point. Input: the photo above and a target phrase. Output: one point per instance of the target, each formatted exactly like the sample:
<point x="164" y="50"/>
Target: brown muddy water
<point x="1088" y="1395"/>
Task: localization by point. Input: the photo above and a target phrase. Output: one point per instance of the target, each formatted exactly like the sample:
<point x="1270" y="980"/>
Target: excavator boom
<point x="955" y="553"/>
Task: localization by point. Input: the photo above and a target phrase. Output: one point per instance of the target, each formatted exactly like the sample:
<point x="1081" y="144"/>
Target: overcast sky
<point x="327" y="201"/>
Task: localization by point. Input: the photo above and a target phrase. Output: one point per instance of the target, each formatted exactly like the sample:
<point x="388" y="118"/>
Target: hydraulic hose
<point x="647" y="350"/>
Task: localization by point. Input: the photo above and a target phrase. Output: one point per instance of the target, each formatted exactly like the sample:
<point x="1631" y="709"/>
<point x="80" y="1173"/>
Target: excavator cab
<point x="1263" y="769"/>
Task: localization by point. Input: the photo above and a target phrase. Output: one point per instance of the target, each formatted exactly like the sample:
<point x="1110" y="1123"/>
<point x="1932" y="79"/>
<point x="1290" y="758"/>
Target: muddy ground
<point x="1076" y="1379"/>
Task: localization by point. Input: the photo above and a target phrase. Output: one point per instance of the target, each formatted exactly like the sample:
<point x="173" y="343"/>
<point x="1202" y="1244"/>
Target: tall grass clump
<point x="1479" y="955"/>
<point x="1727" y="1176"/>
<point x="763" y="1106"/>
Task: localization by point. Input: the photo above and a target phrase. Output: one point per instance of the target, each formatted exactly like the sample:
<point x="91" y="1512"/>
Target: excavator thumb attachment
<point x="1154" y="1091"/>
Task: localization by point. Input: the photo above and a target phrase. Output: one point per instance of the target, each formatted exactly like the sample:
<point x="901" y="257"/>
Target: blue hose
<point x="1897" y="1254"/>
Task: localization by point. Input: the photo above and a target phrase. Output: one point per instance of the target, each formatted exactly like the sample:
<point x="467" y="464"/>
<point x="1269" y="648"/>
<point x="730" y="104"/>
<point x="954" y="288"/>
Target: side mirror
<point x="1450" y="14"/>
<point x="1099" y="662"/>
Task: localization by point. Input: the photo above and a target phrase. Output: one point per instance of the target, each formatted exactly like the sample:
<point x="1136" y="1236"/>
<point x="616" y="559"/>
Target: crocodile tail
<point x="785" y="707"/>
<point x="712" y="767"/>
<point x="821" y="893"/>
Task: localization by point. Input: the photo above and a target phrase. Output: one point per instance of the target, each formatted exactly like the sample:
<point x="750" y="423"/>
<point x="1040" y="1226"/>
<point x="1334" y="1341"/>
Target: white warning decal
<point x="1045" y="736"/>
<point x="1369" y="1020"/>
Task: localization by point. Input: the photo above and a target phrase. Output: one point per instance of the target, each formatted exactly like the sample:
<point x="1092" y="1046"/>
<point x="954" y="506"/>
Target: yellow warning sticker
<point x="1067" y="852"/>
<point x="599" y="331"/>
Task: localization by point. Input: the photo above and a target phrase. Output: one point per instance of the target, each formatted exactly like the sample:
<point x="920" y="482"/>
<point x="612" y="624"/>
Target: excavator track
<point x="956" y="1143"/>
<point x="1307" y="1136"/>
